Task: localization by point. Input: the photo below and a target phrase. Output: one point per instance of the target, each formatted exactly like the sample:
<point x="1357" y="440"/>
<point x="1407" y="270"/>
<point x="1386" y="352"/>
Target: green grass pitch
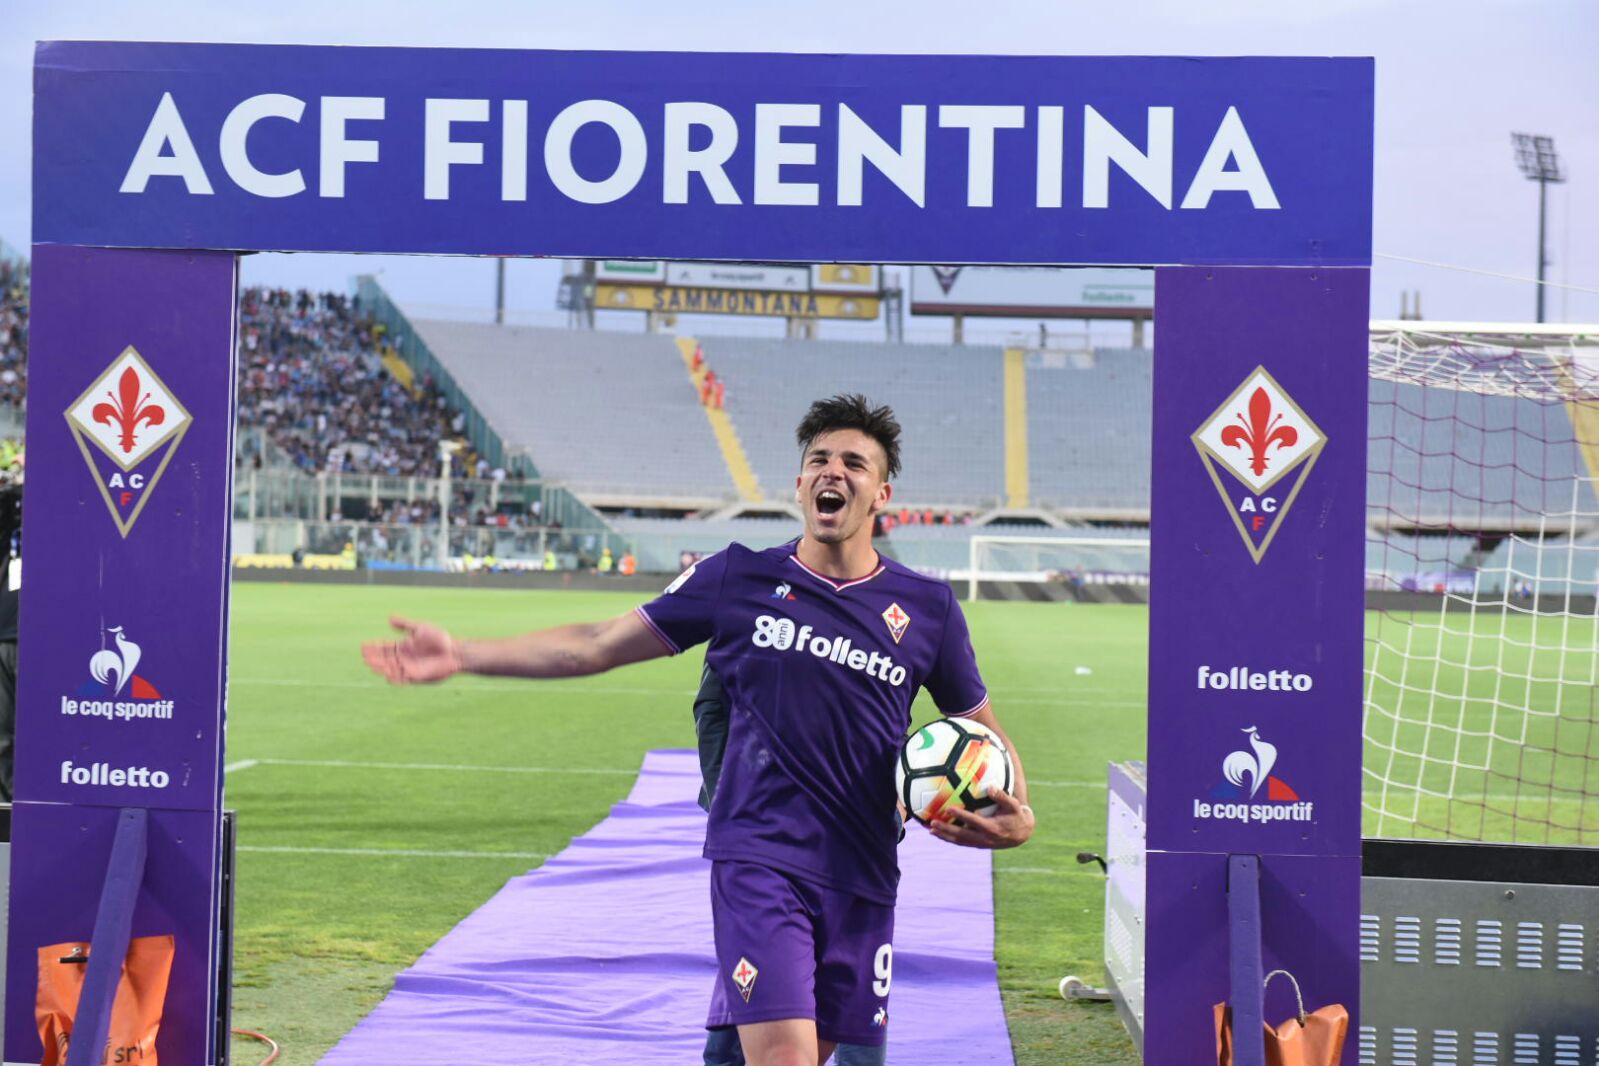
<point x="323" y="924"/>
<point x="330" y="906"/>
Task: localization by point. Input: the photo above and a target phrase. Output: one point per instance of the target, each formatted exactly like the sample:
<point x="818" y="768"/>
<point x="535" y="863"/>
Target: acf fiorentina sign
<point x="777" y="158"/>
<point x="900" y="156"/>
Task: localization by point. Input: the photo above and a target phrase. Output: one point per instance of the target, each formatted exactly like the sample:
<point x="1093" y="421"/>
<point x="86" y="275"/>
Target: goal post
<point x="1482" y="561"/>
<point x="1039" y="559"/>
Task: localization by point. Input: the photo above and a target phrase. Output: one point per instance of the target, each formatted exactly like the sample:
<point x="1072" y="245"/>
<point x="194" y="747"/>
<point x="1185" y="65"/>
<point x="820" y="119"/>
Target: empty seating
<point x="602" y="412"/>
<point x="1088" y="420"/>
<point x="950" y="401"/>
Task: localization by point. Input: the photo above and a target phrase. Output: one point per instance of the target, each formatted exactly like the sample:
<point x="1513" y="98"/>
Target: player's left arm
<point x="956" y="685"/>
<point x="1012" y="822"/>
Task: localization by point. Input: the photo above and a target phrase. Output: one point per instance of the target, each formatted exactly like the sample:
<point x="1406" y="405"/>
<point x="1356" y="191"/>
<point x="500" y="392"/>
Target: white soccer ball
<point x="951" y="763"/>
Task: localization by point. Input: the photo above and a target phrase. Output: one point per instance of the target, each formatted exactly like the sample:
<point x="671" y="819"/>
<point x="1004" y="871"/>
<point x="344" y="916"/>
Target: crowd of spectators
<point x="13" y="333"/>
<point x="397" y="513"/>
<point x="312" y="381"/>
<point x="888" y="521"/>
<point x="469" y="508"/>
<point x="312" y="378"/>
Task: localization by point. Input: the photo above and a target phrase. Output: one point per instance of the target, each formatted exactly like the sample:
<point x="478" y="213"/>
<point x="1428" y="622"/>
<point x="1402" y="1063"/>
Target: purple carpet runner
<point x="603" y="954"/>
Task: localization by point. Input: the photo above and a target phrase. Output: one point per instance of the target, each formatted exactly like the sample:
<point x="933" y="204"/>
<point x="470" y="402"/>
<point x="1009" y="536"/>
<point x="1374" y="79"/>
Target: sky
<point x="1454" y="78"/>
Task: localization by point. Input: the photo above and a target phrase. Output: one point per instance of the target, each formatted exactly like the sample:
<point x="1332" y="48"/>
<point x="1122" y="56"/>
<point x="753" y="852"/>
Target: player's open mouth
<point x="829" y="502"/>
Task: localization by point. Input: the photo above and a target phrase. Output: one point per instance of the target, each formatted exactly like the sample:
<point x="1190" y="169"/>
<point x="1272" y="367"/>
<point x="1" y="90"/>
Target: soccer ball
<point x="948" y="763"/>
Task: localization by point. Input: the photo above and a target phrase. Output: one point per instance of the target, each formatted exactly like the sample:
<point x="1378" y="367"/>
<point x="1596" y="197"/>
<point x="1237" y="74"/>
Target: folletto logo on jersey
<point x="1250" y="792"/>
<point x="782" y="635"/>
<point x="115" y="691"/>
<point x="1250" y="446"/>
<point x="128" y="424"/>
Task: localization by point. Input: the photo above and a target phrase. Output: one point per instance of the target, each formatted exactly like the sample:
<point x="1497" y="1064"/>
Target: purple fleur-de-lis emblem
<point x="128" y="409"/>
<point x="1260" y="432"/>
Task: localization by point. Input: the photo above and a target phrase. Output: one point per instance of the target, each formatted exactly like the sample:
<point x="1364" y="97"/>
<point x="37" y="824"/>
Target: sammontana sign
<point x="672" y="299"/>
<point x="914" y="158"/>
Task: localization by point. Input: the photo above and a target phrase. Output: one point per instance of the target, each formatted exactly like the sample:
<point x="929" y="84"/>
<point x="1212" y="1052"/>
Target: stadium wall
<point x="575" y="580"/>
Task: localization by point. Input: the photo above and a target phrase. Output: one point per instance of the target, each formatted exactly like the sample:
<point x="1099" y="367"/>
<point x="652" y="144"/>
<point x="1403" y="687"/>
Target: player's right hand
<point x="427" y="654"/>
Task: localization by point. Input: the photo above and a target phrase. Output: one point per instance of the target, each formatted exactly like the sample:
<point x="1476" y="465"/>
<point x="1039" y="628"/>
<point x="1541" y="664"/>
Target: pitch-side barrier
<point x="1469" y="953"/>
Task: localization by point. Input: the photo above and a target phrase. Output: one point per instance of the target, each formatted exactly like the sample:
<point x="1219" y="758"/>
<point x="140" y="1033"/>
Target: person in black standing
<point x="10" y="587"/>
<point x="722" y="1047"/>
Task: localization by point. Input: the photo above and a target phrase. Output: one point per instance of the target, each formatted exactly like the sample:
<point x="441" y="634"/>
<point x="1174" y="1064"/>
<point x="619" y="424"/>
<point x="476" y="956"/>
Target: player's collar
<point x="838" y="586"/>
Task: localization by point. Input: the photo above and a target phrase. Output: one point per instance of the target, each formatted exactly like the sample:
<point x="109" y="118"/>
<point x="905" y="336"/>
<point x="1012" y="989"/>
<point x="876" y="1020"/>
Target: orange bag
<point x="1315" y="1039"/>
<point x="135" y="1012"/>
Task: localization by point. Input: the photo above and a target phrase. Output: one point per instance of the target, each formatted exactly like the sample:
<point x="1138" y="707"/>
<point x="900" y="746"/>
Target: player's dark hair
<point x="852" y="411"/>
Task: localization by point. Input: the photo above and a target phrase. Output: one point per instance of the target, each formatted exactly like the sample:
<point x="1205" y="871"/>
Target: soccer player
<point x="821" y="646"/>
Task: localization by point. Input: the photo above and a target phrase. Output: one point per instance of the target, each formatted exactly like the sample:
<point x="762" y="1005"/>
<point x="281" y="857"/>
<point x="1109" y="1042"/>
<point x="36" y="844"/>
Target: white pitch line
<point x="348" y="764"/>
<point x="1066" y="689"/>
<point x="1491" y="797"/>
<point x="1076" y="703"/>
<point x="242" y="764"/>
<point x="408" y="853"/>
<point x="343" y="764"/>
<point x="295" y="682"/>
<point x="1053" y="695"/>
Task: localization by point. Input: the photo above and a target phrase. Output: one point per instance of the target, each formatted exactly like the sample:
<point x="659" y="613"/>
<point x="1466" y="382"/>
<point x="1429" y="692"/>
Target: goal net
<point x="1482" y="647"/>
<point x="1070" y="564"/>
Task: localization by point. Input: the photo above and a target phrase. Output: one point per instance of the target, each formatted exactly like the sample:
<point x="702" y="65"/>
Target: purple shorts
<point x="786" y="948"/>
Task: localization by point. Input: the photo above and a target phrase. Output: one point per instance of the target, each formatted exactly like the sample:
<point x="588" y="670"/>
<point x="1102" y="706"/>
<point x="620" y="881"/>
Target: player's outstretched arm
<point x="1012" y="822"/>
<point x="428" y="654"/>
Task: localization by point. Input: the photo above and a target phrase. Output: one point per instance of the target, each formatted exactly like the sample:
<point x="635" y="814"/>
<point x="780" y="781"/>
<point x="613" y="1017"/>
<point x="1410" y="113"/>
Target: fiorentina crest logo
<point x="1258" y="447"/>
<point x="128" y="425"/>
<point x="744" y="975"/>
<point x="897" y="621"/>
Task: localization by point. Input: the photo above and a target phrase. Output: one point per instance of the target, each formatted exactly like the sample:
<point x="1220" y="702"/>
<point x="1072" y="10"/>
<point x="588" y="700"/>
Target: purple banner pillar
<point x="122" y="656"/>
<point x="1255" y="638"/>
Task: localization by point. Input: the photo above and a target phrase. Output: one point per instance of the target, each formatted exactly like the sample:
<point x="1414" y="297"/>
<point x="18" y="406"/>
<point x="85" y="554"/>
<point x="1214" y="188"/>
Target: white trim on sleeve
<point x="653" y="628"/>
<point x="973" y="710"/>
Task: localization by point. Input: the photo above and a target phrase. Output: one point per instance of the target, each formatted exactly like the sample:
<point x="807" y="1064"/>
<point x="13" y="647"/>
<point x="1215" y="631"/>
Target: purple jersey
<point x="819" y="678"/>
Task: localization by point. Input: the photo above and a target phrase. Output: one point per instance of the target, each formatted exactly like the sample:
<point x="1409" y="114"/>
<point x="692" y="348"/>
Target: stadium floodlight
<point x="1536" y="157"/>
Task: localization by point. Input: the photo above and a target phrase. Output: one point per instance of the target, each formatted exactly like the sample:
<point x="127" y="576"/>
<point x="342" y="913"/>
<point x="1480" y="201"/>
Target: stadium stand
<point x="13" y="333"/>
<point x="617" y="419"/>
<point x="605" y="413"/>
<point x="312" y="377"/>
<point x="950" y="401"/>
<point x="1088" y="431"/>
